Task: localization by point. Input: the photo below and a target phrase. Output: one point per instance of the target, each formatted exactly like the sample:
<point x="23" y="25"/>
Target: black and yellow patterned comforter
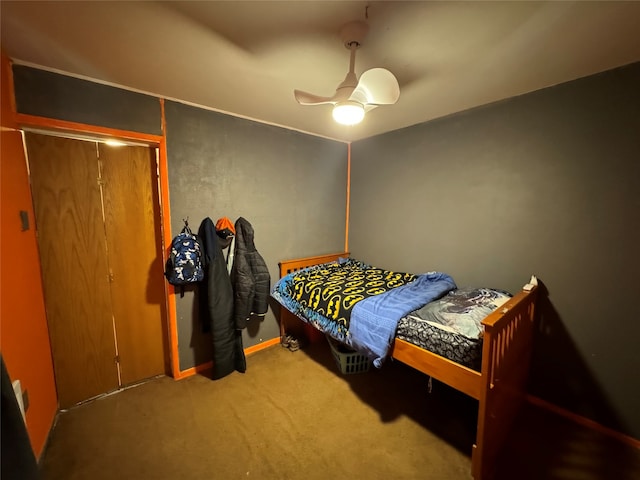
<point x="325" y="294"/>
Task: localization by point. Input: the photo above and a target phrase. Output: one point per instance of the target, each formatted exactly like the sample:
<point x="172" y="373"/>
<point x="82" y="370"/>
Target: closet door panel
<point x="71" y="240"/>
<point x="135" y="258"/>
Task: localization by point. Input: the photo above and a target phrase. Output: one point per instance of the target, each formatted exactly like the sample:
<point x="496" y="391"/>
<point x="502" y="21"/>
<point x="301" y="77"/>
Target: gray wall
<point x="48" y="94"/>
<point x="546" y="183"/>
<point x="290" y="186"/>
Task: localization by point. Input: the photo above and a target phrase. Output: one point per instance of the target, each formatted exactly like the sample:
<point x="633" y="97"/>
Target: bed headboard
<point x="288" y="266"/>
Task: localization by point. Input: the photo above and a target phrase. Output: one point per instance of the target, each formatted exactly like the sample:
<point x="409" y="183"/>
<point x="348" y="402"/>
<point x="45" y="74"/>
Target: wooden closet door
<point x="130" y="189"/>
<point x="71" y="239"/>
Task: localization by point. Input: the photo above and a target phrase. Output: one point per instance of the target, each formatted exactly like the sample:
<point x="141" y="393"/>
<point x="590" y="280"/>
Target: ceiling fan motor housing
<point x="353" y="33"/>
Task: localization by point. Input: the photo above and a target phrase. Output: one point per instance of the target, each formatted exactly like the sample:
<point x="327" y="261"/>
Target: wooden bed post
<point x="506" y="356"/>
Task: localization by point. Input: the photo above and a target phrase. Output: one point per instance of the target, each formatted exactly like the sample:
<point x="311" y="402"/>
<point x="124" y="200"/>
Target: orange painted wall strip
<point x="24" y="331"/>
<point x="346" y="228"/>
<point x="166" y="244"/>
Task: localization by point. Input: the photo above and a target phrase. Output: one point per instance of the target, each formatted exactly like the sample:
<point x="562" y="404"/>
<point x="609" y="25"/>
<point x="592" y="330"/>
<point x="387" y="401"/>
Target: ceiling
<point x="246" y="58"/>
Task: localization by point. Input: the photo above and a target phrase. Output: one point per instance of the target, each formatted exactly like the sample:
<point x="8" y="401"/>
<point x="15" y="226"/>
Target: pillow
<point x="462" y="310"/>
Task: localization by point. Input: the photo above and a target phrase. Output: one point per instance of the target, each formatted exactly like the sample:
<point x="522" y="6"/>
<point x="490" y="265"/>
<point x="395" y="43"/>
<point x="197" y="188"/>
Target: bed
<point x="497" y="381"/>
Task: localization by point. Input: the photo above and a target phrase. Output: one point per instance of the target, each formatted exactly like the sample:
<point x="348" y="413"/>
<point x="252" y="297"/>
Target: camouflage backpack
<point x="184" y="265"/>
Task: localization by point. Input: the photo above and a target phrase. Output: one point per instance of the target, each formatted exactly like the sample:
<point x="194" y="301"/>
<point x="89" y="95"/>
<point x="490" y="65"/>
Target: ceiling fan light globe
<point x="348" y="113"/>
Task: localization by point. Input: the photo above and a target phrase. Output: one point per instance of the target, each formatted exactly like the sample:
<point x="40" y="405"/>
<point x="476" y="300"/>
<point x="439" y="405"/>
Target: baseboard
<point x="261" y="346"/>
<point x="193" y="370"/>
<point x="583" y="421"/>
<point x="209" y="365"/>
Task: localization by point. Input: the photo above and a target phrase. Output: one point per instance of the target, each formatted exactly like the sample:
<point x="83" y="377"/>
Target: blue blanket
<point x="374" y="320"/>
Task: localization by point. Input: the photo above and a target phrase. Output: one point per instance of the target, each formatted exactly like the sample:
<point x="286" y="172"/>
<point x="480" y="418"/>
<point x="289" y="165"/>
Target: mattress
<point x="452" y="325"/>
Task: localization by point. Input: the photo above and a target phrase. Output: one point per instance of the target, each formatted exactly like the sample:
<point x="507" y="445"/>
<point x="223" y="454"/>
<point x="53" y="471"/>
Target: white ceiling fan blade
<point x="305" y="98"/>
<point x="377" y="86"/>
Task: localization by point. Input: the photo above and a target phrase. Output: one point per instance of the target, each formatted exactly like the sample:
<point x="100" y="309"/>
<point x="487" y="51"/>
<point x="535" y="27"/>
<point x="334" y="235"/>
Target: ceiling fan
<point x="354" y="97"/>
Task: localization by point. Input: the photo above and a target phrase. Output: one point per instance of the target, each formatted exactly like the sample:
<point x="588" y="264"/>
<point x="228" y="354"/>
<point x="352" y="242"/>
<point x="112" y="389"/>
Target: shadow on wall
<point x="559" y="373"/>
<point x="545" y="446"/>
<point x="154" y="293"/>
<point x="292" y="326"/>
<point x="253" y="326"/>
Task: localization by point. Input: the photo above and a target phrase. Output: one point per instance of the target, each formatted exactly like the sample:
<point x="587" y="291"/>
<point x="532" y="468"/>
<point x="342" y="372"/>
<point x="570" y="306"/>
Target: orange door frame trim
<point x="159" y="141"/>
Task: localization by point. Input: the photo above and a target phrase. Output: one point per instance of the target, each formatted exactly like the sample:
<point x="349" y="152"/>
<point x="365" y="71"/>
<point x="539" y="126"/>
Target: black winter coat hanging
<point x="249" y="276"/>
<point x="216" y="306"/>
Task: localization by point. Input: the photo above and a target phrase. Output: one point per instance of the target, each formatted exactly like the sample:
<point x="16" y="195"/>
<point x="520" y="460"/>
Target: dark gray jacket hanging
<point x="249" y="276"/>
<point x="216" y="305"/>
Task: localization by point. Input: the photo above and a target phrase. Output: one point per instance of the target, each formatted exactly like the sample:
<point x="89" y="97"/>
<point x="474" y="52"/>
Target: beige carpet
<point x="292" y="416"/>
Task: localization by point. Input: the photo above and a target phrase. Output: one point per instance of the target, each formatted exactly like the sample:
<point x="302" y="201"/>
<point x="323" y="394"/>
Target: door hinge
<point x="111" y="277"/>
<point x="116" y="359"/>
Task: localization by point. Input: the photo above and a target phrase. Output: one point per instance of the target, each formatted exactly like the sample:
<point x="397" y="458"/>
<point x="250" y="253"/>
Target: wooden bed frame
<point x="499" y="387"/>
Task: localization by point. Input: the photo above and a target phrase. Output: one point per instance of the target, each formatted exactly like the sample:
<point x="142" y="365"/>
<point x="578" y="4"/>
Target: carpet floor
<point x="293" y="415"/>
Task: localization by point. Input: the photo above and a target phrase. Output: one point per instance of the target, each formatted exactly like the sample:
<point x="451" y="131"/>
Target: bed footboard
<point x="506" y="355"/>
